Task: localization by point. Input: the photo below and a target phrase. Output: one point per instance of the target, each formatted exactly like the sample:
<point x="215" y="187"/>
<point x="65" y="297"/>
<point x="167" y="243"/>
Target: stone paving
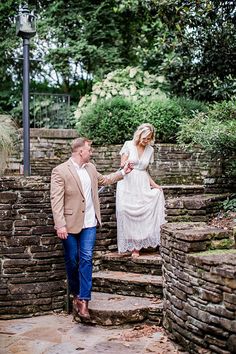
<point x="59" y="334"/>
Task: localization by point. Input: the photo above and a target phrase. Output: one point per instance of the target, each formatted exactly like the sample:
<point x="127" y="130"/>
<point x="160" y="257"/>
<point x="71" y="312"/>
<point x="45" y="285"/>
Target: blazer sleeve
<point x="109" y="179"/>
<point x="57" y="198"/>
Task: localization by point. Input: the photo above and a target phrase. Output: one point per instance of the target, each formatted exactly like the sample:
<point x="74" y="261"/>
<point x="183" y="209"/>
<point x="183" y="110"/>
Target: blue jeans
<point x="78" y="254"/>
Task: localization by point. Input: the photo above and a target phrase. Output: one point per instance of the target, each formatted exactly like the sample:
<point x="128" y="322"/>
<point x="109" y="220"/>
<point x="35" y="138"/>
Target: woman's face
<point x="145" y="139"/>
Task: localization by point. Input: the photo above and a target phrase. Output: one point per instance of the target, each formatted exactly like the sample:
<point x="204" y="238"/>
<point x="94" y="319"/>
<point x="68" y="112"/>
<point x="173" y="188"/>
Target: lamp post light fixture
<point x="26" y="28"/>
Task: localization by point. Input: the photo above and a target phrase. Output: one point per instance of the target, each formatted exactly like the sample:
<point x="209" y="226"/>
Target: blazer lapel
<point x="75" y="175"/>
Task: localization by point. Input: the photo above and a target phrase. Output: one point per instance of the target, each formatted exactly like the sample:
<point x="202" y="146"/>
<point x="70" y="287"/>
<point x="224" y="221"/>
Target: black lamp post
<point x="26" y="28"/>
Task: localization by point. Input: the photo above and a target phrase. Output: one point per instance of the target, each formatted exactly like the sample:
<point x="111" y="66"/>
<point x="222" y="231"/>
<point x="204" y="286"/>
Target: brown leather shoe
<point x="81" y="307"/>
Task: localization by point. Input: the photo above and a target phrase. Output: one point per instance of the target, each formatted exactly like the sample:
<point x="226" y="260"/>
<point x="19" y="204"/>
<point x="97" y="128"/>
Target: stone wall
<point x="172" y="165"/>
<point x="199" y="287"/>
<point x="33" y="278"/>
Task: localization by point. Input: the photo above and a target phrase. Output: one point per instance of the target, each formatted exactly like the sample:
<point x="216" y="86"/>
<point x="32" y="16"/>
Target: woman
<point x="139" y="200"/>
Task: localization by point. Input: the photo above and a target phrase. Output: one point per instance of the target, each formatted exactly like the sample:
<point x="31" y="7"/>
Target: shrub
<point x="109" y="121"/>
<point x="191" y="107"/>
<point x="214" y="130"/>
<point x="132" y="83"/>
<point x="8" y="135"/>
<point x="127" y="98"/>
<point x="166" y="116"/>
<point x="115" y="120"/>
<point x="230" y="203"/>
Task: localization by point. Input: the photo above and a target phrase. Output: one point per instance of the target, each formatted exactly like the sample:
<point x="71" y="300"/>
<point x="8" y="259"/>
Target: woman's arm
<point x="124" y="158"/>
<point x="153" y="184"/>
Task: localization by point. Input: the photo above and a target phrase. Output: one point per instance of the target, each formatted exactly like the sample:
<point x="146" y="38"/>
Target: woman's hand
<point x="157" y="186"/>
<point x="154" y="185"/>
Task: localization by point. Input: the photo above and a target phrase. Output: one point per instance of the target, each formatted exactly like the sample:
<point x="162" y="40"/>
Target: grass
<point x="214" y="252"/>
<point x="7" y="133"/>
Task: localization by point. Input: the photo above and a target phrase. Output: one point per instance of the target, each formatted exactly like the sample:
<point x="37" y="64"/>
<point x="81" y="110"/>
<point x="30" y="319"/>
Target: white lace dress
<point x="140" y="210"/>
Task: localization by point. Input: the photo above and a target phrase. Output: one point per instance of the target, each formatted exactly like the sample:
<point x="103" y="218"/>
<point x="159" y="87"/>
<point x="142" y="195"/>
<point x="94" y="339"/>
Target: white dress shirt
<point x="89" y="214"/>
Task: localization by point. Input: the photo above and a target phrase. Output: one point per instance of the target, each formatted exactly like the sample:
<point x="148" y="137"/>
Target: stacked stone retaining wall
<point x="199" y="287"/>
<point x="33" y="278"/>
<point x="172" y="164"/>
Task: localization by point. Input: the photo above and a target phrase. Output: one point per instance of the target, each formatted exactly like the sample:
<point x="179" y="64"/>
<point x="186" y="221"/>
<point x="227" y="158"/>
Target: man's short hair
<point x="78" y="143"/>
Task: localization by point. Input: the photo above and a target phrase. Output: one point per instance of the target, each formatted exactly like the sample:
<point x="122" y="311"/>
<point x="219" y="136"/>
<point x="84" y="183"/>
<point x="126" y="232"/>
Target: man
<point x="76" y="212"/>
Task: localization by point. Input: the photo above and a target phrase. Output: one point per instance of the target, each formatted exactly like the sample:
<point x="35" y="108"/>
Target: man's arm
<point x="57" y="203"/>
<point x="116" y="176"/>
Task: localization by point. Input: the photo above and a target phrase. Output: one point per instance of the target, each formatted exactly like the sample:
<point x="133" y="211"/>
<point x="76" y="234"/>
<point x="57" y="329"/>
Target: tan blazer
<point x="67" y="199"/>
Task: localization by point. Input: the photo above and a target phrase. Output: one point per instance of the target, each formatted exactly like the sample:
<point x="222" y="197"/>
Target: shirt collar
<point x="76" y="164"/>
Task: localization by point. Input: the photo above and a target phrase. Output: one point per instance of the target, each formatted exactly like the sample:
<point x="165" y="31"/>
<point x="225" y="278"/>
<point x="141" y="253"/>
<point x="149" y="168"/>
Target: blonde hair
<point x="78" y="143"/>
<point x="144" y="130"/>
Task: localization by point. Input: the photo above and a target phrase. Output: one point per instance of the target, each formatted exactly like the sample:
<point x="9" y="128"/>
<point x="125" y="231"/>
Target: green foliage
<point x="132" y="83"/>
<point x="114" y="120"/>
<point x="47" y="111"/>
<point x="202" y="62"/>
<point x="165" y="115"/>
<point x="214" y="130"/>
<point x="230" y="203"/>
<point x="190" y="43"/>
<point x="191" y="107"/>
<point x="8" y="133"/>
<point x="9" y="66"/>
<point x="143" y="101"/>
<point x="109" y="121"/>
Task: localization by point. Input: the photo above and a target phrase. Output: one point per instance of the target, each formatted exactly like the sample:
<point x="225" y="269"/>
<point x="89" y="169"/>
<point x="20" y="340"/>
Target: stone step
<point x="126" y="283"/>
<point x="146" y="263"/>
<point x="181" y="189"/>
<point x="113" y="310"/>
<point x="194" y="208"/>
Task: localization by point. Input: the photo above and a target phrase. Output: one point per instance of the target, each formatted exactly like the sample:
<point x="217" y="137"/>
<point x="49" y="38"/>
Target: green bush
<point x="131" y="83"/>
<point x="127" y="98"/>
<point x="114" y="120"/>
<point x="166" y="116"/>
<point x="109" y="121"/>
<point x="230" y="203"/>
<point x="8" y="133"/>
<point x="214" y="130"/>
<point x="191" y="107"/>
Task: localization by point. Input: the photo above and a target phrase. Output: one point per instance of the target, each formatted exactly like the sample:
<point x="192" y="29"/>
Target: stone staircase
<point x="129" y="290"/>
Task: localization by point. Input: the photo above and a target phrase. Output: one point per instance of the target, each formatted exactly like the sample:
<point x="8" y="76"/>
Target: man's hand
<point x="62" y="233"/>
<point x="128" y="167"/>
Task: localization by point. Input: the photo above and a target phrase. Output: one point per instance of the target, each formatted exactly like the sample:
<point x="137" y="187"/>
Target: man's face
<point x="86" y="152"/>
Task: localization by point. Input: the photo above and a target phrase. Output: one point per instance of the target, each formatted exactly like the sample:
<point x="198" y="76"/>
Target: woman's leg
<point x="135" y="253"/>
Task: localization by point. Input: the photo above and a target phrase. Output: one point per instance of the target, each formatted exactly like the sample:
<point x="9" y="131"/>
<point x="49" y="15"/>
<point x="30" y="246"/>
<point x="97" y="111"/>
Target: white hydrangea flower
<point x="133" y="72"/>
<point x="94" y="99"/>
<point x="133" y="89"/>
<point x="82" y="101"/>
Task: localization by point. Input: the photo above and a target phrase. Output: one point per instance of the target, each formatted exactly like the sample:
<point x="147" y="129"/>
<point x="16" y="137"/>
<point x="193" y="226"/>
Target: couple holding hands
<point x="76" y="211"/>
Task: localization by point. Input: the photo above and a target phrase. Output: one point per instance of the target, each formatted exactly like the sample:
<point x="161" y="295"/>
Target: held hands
<point x="62" y="233"/>
<point x="128" y="167"/>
